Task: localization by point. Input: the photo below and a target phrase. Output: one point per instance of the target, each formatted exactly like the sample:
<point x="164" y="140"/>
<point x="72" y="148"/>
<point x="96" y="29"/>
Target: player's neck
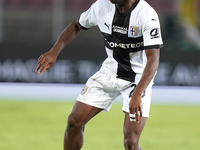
<point x="126" y="5"/>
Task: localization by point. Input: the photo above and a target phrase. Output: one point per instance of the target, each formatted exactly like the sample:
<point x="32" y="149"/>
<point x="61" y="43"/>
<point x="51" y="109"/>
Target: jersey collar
<point x="128" y="11"/>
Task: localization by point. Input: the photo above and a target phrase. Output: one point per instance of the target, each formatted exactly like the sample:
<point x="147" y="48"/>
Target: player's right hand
<point x="45" y="61"/>
<point x="135" y="108"/>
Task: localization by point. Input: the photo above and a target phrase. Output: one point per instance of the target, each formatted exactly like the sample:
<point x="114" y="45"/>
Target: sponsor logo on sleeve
<point x="155" y="33"/>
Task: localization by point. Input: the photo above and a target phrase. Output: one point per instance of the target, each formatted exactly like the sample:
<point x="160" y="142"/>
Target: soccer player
<point x="133" y="40"/>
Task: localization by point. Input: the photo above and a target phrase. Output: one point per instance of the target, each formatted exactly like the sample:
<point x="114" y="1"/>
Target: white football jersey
<point x="126" y="35"/>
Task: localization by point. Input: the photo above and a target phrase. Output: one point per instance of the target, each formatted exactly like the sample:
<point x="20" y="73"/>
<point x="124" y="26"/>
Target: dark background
<point x="28" y="29"/>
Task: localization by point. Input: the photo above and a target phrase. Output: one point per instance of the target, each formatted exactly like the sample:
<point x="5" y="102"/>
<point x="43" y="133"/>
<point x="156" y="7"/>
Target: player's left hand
<point x="135" y="108"/>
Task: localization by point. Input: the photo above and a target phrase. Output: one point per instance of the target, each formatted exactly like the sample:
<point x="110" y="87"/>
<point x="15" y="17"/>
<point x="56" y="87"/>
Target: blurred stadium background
<point x="30" y="27"/>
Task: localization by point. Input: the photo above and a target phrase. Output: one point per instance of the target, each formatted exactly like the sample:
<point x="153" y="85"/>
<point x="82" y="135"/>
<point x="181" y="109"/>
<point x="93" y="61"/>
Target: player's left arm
<point x="135" y="105"/>
<point x="153" y="56"/>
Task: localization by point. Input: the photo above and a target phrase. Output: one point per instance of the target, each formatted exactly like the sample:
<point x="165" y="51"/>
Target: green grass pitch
<point x="40" y="126"/>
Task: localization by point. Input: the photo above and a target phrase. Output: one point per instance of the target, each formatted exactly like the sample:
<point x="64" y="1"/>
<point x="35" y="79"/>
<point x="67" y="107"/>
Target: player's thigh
<point x="131" y="129"/>
<point x="146" y="99"/>
<point x="99" y="91"/>
<point x="82" y="113"/>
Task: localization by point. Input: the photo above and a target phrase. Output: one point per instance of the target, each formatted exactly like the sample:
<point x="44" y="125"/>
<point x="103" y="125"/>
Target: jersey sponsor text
<point x="125" y="46"/>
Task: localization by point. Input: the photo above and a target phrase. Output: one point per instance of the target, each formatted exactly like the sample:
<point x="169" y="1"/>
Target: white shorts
<point x="101" y="90"/>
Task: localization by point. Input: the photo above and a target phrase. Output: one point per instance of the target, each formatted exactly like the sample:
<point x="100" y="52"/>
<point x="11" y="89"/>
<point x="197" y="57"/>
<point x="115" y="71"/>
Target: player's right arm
<point x="46" y="60"/>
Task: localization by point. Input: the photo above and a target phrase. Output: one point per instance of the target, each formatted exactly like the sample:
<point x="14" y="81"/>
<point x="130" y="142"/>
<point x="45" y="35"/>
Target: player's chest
<point x="121" y="25"/>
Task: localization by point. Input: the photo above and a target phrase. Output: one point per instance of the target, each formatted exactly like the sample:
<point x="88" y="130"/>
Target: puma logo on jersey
<point x="107" y="25"/>
<point x="153" y="20"/>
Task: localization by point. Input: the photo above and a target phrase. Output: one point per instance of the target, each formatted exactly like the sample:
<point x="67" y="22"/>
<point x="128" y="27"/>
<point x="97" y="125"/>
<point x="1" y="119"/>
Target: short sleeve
<point x="88" y="18"/>
<point x="152" y="31"/>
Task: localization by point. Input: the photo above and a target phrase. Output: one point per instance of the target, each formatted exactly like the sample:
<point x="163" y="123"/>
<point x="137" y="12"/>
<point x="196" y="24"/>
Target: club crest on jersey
<point x="134" y="30"/>
<point x="84" y="90"/>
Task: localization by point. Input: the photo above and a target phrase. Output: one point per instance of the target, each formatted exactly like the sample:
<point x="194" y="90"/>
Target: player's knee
<point x="73" y="124"/>
<point x="131" y="143"/>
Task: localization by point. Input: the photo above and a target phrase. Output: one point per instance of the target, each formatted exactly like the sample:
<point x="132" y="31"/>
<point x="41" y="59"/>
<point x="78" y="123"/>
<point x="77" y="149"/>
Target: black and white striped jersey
<point x="126" y="35"/>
